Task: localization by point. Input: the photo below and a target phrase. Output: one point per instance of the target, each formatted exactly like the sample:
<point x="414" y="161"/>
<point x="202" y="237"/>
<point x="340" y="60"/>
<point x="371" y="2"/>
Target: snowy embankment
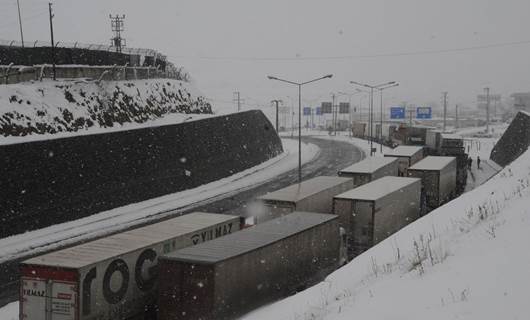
<point x="107" y="222"/>
<point x="496" y="130"/>
<point x="49" y="109"/>
<point x="466" y="260"/>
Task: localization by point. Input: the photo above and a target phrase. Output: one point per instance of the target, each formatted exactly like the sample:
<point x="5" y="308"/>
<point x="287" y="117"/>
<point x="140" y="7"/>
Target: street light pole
<point x="361" y="108"/>
<point x="381" y="115"/>
<point x="372" y="106"/>
<point x="371" y="120"/>
<point x="277" y="102"/>
<point x="300" y="133"/>
<point x="299" y="84"/>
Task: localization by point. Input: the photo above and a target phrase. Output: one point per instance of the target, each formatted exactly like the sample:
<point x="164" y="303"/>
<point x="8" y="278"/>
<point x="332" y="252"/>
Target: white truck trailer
<point x="407" y="155"/>
<point x="374" y="211"/>
<point x="313" y="195"/>
<point x="114" y="277"/>
<point x="438" y="175"/>
<point x="371" y="169"/>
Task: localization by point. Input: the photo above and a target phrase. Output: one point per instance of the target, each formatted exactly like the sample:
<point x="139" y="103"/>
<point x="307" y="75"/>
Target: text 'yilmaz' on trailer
<point x="374" y="211"/>
<point x="113" y="277"/>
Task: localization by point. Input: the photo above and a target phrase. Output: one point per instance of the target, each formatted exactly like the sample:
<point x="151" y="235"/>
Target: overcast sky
<point x="230" y="45"/>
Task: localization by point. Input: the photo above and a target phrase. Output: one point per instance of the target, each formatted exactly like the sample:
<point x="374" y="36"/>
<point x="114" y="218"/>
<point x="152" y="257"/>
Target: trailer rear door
<point x="52" y="293"/>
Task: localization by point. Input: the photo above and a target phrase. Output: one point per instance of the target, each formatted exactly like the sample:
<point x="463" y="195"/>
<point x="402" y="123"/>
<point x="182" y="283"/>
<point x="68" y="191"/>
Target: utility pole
<point x="445" y="109"/>
<point x="277" y="102"/>
<point x="237" y="98"/>
<point x="333" y="114"/>
<point x="20" y="24"/>
<point x="456" y="115"/>
<point x="411" y="112"/>
<point x="495" y="109"/>
<point x="371" y="120"/>
<point x="53" y="43"/>
<point x="381" y="123"/>
<point x="117" y="26"/>
<point x="487" y="109"/>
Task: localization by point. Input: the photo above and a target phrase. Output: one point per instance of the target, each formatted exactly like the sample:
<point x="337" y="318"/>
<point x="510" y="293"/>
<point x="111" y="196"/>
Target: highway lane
<point x="334" y="155"/>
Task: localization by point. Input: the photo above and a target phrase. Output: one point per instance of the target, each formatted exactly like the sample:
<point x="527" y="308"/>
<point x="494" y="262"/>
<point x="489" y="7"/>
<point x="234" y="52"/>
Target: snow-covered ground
<point x="466" y="260"/>
<point x="123" y="217"/>
<point x="496" y="130"/>
<point x="363" y="145"/>
<point x="53" y="109"/>
<point x="10" y="311"/>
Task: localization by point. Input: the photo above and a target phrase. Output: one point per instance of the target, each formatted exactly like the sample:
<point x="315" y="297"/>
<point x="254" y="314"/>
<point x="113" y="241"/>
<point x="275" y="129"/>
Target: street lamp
<point x="372" y="106"/>
<point x="299" y="84"/>
<point x="381" y="114"/>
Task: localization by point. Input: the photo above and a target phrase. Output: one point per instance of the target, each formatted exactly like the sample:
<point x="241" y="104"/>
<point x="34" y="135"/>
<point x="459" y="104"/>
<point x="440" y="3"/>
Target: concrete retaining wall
<point x="514" y="142"/>
<point x="48" y="182"/>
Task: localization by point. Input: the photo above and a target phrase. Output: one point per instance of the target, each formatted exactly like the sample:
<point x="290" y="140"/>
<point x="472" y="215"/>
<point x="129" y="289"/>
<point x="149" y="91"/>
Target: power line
<point x="350" y="57"/>
<point x="25" y="19"/>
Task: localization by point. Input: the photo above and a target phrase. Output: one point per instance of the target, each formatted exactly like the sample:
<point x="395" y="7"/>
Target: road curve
<point x="334" y="155"/>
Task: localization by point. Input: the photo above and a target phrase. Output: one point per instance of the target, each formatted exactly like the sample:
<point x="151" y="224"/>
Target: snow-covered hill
<point x="75" y="106"/>
<point x="466" y="260"/>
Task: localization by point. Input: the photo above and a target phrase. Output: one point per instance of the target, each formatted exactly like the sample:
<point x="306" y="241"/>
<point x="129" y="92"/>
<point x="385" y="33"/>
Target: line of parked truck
<point x="213" y="266"/>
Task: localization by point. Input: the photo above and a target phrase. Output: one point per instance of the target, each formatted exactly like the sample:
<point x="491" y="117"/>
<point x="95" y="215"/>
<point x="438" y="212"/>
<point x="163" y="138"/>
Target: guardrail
<point x="12" y="74"/>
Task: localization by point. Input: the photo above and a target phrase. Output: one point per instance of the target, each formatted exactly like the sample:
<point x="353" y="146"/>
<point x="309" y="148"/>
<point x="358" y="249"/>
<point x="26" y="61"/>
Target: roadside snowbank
<point x="10" y="311"/>
<point x="467" y="260"/>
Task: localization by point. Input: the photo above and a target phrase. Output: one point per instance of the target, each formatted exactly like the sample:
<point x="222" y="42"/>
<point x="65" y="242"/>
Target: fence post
<point x="42" y="72"/>
<point x="125" y="71"/>
<point x="7" y="72"/>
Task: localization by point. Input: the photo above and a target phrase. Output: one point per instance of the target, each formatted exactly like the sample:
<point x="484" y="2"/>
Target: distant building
<point x="521" y="101"/>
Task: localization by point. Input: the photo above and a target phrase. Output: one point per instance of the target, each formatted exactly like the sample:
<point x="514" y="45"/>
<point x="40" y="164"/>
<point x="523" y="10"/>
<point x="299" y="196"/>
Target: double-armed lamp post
<point x="371" y="111"/>
<point x="299" y="84"/>
<point x="381" y="115"/>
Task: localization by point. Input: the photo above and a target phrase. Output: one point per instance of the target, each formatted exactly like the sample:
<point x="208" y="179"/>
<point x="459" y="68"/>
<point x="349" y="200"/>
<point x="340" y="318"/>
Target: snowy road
<point x="228" y="195"/>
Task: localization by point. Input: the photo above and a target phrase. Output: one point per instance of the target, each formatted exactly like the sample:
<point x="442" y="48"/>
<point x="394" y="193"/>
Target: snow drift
<point x="467" y="260"/>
